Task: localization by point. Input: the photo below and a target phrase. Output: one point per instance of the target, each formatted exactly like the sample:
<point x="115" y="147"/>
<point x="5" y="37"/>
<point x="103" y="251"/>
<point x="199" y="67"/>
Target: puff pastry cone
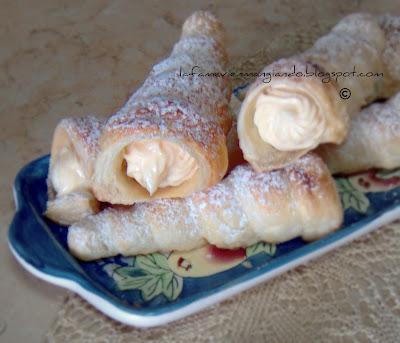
<point x="373" y="140"/>
<point x="246" y="207"/>
<point x="169" y="139"/>
<point x="283" y="119"/>
<point x="73" y="154"/>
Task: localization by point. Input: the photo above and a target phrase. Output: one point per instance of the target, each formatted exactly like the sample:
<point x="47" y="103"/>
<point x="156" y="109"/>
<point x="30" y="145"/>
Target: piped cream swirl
<point x="156" y="163"/>
<point x="288" y="119"/>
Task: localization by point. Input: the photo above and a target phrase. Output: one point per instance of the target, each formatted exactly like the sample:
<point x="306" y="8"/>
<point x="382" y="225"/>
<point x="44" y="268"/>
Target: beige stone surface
<point x="62" y="58"/>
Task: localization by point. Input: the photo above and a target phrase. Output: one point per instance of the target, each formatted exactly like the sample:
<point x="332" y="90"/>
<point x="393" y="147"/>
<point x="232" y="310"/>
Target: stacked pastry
<point x="165" y="154"/>
<point x="246" y="207"/>
<point x="282" y="120"/>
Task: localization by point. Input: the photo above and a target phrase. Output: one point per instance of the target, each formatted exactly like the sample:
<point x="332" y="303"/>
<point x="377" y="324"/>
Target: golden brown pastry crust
<point x="246" y="207"/>
<point x="373" y="141"/>
<point x="191" y="112"/>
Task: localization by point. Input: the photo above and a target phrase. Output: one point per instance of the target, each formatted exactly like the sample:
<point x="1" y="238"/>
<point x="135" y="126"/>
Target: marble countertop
<point x="71" y="58"/>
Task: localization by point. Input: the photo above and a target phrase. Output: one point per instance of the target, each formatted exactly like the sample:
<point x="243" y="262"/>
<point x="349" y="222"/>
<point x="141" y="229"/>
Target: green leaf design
<point x="151" y="275"/>
<point x="152" y="288"/>
<point x="166" y="279"/>
<point x="259" y="247"/>
<point x="128" y="271"/>
<point x="153" y="263"/>
<point x="173" y="287"/>
<point x="351" y="197"/>
<point x="137" y="282"/>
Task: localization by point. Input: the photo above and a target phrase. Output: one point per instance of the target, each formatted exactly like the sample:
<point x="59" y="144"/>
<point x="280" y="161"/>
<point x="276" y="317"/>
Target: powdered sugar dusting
<point x="361" y="26"/>
<point x="172" y="105"/>
<point x="382" y="117"/>
<point x="356" y="41"/>
<point x="373" y="140"/>
<point x="205" y="23"/>
<point x="306" y="171"/>
<point x="223" y="215"/>
<point x="87" y="129"/>
<point x="170" y="118"/>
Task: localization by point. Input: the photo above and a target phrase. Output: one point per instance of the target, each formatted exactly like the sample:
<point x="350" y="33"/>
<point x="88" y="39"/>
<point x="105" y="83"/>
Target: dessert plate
<point x="154" y="289"/>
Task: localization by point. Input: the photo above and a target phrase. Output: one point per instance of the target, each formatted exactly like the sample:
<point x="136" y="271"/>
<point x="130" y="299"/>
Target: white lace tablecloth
<point x="349" y="295"/>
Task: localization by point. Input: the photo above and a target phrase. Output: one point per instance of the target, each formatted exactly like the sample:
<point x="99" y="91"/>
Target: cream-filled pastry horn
<point x="299" y="200"/>
<point x="373" y="140"/>
<point x="169" y="139"/>
<point x="301" y="102"/>
<point x="73" y="154"/>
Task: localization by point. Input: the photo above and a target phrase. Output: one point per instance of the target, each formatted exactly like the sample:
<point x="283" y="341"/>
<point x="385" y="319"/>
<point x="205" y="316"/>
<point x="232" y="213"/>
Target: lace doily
<point x="349" y="295"/>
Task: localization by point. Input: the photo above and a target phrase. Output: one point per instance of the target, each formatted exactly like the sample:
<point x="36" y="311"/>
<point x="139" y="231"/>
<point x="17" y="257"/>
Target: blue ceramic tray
<point x="155" y="289"/>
